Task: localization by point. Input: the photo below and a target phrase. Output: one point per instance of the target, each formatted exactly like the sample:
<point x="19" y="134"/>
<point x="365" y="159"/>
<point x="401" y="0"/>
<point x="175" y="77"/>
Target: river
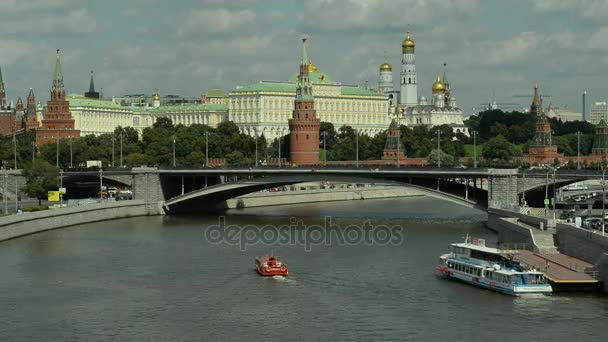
<point x="172" y="279"/>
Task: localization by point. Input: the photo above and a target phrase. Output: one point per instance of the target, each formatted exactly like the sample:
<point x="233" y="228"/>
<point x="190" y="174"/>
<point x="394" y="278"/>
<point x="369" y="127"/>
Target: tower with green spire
<point x="57" y="123"/>
<point x="2" y="92"/>
<point x="91" y="94"/>
<point x="304" y="124"/>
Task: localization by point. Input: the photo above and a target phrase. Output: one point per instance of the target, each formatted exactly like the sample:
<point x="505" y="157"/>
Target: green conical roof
<point x="31" y="94"/>
<point x="58" y="78"/>
<point x="92" y="84"/>
<point x="1" y="80"/>
<point x="304" y="54"/>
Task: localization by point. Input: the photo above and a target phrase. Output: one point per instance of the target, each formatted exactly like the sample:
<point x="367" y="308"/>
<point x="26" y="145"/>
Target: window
<point x="306" y="136"/>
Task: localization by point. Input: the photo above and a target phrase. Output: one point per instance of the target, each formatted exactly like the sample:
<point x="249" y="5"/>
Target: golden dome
<point x="386" y="67"/>
<point x="438" y="86"/>
<point x="156" y="97"/>
<point x="408" y="44"/>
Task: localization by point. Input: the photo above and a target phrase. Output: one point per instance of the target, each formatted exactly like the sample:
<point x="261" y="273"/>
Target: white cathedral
<point x="411" y="110"/>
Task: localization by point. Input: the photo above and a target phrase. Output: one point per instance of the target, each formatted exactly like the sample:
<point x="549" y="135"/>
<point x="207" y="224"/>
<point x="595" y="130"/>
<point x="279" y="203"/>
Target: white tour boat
<point x="494" y="269"/>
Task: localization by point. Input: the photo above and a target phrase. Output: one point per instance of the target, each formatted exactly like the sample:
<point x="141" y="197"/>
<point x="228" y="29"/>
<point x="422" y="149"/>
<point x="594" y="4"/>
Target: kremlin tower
<point x="58" y="122"/>
<point x="537" y="106"/>
<point x="30" y="112"/>
<point x="304" y="124"/>
<point x="408" y="78"/>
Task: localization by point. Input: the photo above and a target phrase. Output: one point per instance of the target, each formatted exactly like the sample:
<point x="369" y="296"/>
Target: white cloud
<point x="590" y="9"/>
<point x="217" y="21"/>
<point x="74" y="21"/>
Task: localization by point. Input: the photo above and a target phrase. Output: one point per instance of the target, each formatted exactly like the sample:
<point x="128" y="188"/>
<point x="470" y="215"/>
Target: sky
<point x="491" y="47"/>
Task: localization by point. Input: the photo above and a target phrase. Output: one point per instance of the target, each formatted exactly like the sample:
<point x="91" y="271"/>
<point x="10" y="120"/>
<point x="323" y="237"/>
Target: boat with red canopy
<point x="269" y="266"/>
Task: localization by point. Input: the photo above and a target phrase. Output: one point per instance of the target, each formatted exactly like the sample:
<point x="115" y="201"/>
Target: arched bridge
<point x="210" y="196"/>
<point x="495" y="188"/>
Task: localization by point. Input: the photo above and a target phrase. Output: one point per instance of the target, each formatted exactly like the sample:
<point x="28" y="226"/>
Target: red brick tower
<point x="304" y="124"/>
<point x="30" y="115"/>
<point x="537" y="105"/>
<point x="58" y="122"/>
<point x="393" y="150"/>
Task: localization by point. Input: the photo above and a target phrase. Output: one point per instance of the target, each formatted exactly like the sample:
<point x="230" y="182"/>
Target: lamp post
<point x="60" y="186"/>
<point x="603" y="200"/>
<point x="578" y="156"/>
<point x="206" y="149"/>
<point x="101" y="185"/>
<point x="15" y="151"/>
<point x="57" y="162"/>
<point x="121" y="149"/>
<point x="398" y="150"/>
<point x="173" y="152"/>
<point x="4" y="199"/>
<point x="33" y="151"/>
<point x="438" y="148"/>
<point x="256" y="149"/>
<point x="475" y="148"/>
<point x="279" y="151"/>
<point x="546" y="193"/>
<point x="554" y="199"/>
<point x="71" y="152"/>
<point x="357" y="143"/>
<point x="113" y="139"/>
<point x="324" y="147"/>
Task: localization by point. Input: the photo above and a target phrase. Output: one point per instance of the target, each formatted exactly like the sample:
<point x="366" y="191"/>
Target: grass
<point x="469" y="149"/>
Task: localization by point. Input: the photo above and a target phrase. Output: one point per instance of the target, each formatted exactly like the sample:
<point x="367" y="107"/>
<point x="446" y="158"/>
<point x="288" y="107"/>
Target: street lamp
<point x="357" y="142"/>
<point x="113" y="139"/>
<point x="324" y="147"/>
<point x="578" y="156"/>
<point x="15" y="150"/>
<point x="279" y="151"/>
<point x="546" y="193"/>
<point x="603" y="199"/>
<point x="173" y="152"/>
<point x="60" y="186"/>
<point x="121" y="150"/>
<point x="554" y="199"/>
<point x="71" y="152"/>
<point x="4" y="198"/>
<point x="256" y="149"/>
<point x="33" y="151"/>
<point x="57" y="162"/>
<point x="438" y="148"/>
<point x="206" y="149"/>
<point x="475" y="148"/>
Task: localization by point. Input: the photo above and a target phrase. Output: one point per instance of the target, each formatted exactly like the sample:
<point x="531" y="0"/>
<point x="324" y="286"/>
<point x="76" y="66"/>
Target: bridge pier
<point x="147" y="187"/>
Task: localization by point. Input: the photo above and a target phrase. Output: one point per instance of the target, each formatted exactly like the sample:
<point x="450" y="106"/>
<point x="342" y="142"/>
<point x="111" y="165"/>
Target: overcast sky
<point x="188" y="46"/>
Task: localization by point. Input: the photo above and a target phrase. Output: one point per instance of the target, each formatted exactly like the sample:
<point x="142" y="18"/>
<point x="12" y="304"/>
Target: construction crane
<point x="522" y="95"/>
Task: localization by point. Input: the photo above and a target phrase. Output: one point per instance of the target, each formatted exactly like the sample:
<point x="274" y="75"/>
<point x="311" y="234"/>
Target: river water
<point x="169" y="279"/>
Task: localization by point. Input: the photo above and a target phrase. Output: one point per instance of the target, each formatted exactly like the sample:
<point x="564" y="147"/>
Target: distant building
<point x="97" y="116"/>
<point x="599" y="112"/>
<point x="215" y="96"/>
<point x="564" y="114"/>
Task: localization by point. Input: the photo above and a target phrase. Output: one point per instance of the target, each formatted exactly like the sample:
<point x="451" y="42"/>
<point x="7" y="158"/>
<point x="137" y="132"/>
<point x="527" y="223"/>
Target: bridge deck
<point x="559" y="268"/>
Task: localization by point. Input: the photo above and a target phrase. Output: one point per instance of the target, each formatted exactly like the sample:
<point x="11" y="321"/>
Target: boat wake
<point x="282" y="279"/>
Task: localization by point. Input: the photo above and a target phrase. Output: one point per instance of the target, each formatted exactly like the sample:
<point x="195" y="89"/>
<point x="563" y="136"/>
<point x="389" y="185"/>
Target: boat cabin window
<point x="491" y="257"/>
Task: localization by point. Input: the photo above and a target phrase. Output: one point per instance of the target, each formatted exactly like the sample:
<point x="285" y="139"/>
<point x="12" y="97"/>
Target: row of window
<point x="344" y="105"/>
<point x="472" y="270"/>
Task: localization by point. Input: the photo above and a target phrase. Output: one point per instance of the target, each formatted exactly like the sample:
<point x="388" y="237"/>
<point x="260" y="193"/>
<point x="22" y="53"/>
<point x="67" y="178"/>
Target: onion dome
<point x="156" y="97"/>
<point x="438" y="86"/>
<point x="408" y="44"/>
<point x="386" y="67"/>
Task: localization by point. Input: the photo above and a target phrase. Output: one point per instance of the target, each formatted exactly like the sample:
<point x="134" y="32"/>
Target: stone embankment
<point x="29" y="223"/>
<point x="261" y="199"/>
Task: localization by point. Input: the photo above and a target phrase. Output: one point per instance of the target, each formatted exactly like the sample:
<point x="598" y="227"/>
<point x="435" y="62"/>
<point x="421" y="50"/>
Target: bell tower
<point x="407" y="77"/>
<point x="304" y="124"/>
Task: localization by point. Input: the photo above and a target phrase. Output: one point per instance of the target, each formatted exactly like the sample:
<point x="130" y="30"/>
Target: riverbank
<point x="29" y="223"/>
<point x="263" y="199"/>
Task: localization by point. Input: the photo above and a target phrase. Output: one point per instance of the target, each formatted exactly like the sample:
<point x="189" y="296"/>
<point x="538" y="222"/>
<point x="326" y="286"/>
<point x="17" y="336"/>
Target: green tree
<point x="446" y="159"/>
<point x="498" y="148"/>
<point x="41" y="177"/>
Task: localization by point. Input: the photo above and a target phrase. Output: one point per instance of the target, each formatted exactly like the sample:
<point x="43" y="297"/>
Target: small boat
<point x="491" y="268"/>
<point x="269" y="266"/>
